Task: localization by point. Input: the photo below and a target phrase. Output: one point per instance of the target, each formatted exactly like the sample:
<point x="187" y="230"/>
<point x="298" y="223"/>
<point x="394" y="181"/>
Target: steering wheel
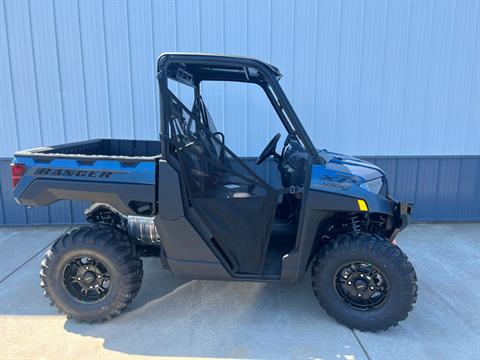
<point x="269" y="149"/>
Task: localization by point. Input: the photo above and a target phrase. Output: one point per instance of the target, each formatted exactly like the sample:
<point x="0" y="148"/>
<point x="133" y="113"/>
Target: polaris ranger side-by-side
<point x="207" y="214"/>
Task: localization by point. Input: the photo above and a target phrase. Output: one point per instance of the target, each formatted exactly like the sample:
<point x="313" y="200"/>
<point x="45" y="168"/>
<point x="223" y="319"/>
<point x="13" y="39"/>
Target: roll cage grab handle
<point x="272" y="89"/>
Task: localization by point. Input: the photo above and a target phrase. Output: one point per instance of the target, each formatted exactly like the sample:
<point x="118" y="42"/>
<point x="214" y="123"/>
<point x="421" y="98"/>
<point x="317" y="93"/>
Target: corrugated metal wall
<point x="370" y="78"/>
<point x="366" y="77"/>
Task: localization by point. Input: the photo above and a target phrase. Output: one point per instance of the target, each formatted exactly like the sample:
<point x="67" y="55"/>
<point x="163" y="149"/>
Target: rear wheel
<point x="91" y="274"/>
<point x="364" y="282"/>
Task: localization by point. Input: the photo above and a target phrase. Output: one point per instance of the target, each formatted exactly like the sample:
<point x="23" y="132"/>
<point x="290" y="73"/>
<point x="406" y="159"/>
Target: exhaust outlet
<point x="142" y="228"/>
<point x="139" y="228"/>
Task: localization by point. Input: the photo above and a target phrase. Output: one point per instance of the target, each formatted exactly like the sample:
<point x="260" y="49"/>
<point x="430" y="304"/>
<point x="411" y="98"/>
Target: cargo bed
<point x="121" y="173"/>
<point x="101" y="148"/>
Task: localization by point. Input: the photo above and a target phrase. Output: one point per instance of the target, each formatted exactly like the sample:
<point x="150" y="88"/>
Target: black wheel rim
<point x="86" y="279"/>
<point x="361" y="285"/>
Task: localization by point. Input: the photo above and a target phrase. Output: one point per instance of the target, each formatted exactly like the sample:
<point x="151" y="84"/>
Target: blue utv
<point x="208" y="214"/>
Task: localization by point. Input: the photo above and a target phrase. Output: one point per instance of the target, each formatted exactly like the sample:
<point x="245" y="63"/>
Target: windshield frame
<point x="256" y="72"/>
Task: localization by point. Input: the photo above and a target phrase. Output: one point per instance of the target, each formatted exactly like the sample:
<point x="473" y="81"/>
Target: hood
<point x="365" y="170"/>
<point x="347" y="175"/>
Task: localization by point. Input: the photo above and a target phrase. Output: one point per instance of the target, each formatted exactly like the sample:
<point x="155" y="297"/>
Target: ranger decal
<point x="75" y="172"/>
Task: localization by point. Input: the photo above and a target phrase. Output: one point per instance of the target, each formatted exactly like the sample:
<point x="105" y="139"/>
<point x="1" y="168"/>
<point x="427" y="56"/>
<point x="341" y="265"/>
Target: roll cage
<point x="192" y="69"/>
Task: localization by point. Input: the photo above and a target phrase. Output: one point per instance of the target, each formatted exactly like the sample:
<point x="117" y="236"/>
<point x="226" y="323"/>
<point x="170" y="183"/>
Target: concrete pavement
<point x="206" y="319"/>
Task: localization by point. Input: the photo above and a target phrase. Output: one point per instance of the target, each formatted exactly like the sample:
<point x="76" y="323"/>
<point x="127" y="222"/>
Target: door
<point x="236" y="205"/>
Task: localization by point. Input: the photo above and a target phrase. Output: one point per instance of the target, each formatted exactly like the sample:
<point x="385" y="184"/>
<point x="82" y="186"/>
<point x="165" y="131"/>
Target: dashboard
<point x="293" y="164"/>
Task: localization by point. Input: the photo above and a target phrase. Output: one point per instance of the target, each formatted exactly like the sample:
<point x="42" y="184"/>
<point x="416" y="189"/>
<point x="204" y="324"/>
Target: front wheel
<point x="364" y="282"/>
<point x="91" y="274"/>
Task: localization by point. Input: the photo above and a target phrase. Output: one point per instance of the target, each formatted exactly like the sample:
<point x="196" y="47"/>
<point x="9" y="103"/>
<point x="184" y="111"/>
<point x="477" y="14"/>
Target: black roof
<point x="212" y="60"/>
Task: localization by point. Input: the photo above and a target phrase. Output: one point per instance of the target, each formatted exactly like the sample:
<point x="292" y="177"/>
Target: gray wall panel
<point x="405" y="178"/>
<point x="426" y="188"/>
<point x="2" y="210"/>
<point x="468" y="202"/>
<point x="441" y="188"/>
<point x="448" y="181"/>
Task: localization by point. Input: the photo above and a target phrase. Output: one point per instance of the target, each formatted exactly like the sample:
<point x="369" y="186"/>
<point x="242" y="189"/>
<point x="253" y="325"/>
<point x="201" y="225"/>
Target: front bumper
<point x="401" y="217"/>
<point x="403" y="211"/>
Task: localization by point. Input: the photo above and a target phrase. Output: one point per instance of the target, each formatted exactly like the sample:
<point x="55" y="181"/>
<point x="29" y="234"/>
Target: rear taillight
<point x="17" y="172"/>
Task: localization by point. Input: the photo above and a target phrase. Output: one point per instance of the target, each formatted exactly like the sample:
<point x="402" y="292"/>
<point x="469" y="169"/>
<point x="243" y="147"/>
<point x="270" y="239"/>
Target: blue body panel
<point x="344" y="176"/>
<point x="142" y="172"/>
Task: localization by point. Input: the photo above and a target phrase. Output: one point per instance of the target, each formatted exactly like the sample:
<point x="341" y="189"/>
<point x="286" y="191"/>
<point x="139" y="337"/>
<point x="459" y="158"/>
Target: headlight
<point x="374" y="186"/>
